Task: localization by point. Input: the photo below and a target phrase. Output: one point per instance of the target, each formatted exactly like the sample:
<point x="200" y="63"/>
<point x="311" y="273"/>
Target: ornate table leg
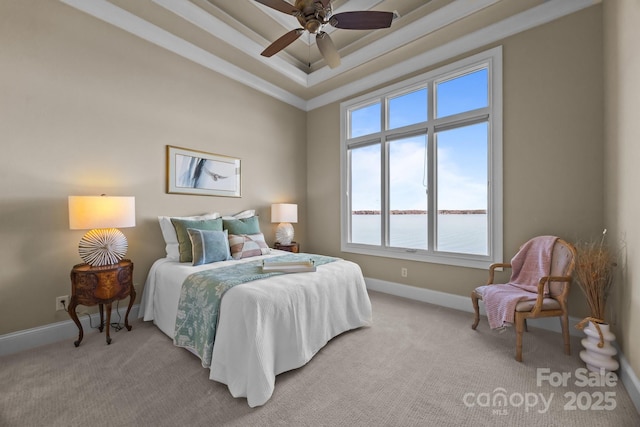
<point x="73" y="303"/>
<point x="108" y="322"/>
<point x="132" y="298"/>
<point x="101" y="327"/>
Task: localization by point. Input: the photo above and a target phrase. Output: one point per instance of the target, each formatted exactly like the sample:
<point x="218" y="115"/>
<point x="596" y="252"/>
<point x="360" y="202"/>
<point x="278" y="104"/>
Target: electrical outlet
<point x="62" y="302"/>
<point x="403" y="272"/>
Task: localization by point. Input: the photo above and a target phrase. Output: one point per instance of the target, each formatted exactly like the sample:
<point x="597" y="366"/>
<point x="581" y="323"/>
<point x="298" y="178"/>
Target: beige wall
<point x="622" y="141"/>
<point x="85" y="109"/>
<point x="553" y="148"/>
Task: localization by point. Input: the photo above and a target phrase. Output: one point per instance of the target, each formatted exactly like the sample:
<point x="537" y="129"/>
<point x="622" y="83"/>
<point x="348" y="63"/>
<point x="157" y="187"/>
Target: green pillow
<point x="249" y="225"/>
<point x="209" y="246"/>
<point x="184" y="242"/>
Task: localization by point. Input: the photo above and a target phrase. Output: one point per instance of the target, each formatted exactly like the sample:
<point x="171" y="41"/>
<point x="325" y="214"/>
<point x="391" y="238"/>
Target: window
<point x="422" y="167"/>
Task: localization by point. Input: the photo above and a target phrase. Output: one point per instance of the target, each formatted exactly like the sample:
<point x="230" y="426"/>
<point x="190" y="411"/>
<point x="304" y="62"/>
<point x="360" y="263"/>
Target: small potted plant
<point x="594" y="273"/>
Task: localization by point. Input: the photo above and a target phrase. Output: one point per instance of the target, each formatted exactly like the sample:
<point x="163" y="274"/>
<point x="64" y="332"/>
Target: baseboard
<point x="458" y="302"/>
<point x="47" y="334"/>
<point x="629" y="379"/>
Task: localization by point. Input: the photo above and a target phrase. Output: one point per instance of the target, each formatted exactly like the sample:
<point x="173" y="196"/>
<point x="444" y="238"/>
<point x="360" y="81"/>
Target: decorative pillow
<point x="184" y="243"/>
<point x="169" y="232"/>
<point x="209" y="246"/>
<point x="245" y="246"/>
<point x="249" y="225"/>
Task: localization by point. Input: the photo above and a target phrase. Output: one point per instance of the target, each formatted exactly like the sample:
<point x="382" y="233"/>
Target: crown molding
<point x="428" y="24"/>
<point x="546" y="12"/>
<point x="124" y="20"/>
<point x="214" y="26"/>
<point x="542" y="14"/>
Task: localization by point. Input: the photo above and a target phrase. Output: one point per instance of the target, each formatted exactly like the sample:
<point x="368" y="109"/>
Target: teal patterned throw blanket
<point x="202" y="293"/>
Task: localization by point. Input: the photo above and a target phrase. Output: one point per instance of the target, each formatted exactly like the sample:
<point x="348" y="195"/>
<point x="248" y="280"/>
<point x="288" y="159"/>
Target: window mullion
<point x="385" y="193"/>
<point x="348" y="200"/>
<point x="460" y="121"/>
<point x="384" y="187"/>
<point x="430" y="165"/>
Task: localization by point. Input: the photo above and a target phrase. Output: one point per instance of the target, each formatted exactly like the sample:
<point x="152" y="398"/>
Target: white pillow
<point x="170" y="236"/>
<point x="241" y="215"/>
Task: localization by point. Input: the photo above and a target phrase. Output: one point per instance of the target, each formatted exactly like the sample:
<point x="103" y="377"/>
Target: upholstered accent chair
<point x="553" y="304"/>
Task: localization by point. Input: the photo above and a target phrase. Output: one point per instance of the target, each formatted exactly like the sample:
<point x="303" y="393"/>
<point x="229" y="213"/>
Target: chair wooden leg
<point x="526" y="327"/>
<point x="519" y="332"/>
<point x="565" y="333"/>
<point x="476" y="308"/>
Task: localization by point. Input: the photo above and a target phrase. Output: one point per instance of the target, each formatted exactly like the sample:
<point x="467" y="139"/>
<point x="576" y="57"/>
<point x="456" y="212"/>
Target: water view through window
<point x="460" y="233"/>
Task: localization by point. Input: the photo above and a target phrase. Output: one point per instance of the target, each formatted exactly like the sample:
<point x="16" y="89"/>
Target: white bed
<point x="267" y="326"/>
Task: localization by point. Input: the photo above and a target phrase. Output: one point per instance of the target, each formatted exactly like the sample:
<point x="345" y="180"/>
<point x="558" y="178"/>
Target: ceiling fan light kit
<point x="313" y="15"/>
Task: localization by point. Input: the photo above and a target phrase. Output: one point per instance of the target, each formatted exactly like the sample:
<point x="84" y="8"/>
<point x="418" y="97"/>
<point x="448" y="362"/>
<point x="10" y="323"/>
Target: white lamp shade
<point x="284" y="212"/>
<point x="89" y="212"/>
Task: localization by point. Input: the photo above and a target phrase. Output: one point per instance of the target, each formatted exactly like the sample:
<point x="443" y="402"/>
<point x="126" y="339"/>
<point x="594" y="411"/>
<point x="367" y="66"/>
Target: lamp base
<point x="103" y="246"/>
<point x="284" y="233"/>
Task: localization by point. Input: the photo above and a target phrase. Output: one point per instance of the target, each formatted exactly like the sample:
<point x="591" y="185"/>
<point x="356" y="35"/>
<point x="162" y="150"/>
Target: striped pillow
<point x="209" y="246"/>
<point x="247" y="245"/>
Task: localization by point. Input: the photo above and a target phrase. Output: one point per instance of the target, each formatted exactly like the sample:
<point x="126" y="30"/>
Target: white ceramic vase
<point x="599" y="358"/>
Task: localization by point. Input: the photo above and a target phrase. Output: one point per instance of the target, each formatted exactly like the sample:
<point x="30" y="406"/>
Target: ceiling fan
<point x="313" y="15"/>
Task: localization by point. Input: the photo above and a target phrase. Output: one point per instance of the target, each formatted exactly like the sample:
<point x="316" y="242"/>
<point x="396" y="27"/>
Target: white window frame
<point x="492" y="59"/>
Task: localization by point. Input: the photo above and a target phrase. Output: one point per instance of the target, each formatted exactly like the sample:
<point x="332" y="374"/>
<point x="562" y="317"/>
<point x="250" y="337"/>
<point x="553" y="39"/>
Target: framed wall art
<point x="205" y="174"/>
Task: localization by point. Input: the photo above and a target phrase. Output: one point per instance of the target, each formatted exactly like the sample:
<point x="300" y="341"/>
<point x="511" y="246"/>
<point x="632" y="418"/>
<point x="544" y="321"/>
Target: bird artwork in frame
<point x="201" y="173"/>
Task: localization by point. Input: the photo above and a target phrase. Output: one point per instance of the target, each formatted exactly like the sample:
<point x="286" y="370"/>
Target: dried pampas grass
<point x="594" y="273"/>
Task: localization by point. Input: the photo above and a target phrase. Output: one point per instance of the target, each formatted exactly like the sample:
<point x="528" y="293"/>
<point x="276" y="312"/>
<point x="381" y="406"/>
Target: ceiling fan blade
<point x="282" y="42"/>
<point x="328" y="49"/>
<point x="363" y="20"/>
<point x="280" y="5"/>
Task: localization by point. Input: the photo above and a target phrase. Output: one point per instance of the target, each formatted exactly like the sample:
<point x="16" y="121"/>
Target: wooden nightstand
<point x="101" y="285"/>
<point x="293" y="247"/>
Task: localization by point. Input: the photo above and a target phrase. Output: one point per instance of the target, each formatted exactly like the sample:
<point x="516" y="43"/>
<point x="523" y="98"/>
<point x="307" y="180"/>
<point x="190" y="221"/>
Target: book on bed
<point x="288" y="267"/>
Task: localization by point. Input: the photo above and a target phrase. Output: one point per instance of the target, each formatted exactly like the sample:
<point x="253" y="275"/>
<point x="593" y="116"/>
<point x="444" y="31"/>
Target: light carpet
<point x="418" y="365"/>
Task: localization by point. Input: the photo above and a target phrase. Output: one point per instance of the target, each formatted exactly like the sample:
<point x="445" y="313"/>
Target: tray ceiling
<point x="227" y="36"/>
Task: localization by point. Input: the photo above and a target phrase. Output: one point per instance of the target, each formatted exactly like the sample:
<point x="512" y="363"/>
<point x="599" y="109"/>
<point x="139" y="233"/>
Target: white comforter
<point x="267" y="326"/>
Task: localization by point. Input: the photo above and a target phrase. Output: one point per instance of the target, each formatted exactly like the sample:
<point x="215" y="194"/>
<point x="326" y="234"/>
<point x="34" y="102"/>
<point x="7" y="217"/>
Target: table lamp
<point x="284" y="214"/>
<point x="104" y="244"/>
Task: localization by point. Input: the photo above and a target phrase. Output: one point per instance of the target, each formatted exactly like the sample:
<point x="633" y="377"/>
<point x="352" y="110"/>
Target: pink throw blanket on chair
<point x="532" y="262"/>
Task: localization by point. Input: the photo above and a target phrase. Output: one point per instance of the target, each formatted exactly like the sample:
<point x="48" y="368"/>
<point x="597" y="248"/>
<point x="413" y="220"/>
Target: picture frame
<point x="201" y="173"/>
